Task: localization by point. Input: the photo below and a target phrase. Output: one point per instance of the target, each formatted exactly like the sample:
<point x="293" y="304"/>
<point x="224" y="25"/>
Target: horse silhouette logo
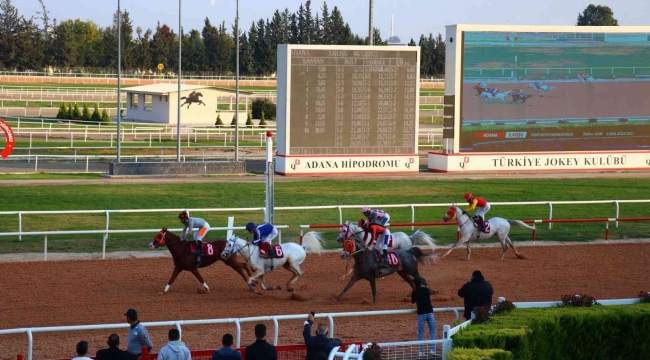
<point x="193" y="97"/>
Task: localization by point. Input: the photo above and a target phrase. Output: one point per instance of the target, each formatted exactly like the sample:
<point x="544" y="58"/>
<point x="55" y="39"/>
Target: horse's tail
<point x="313" y="242"/>
<point x="421" y="257"/>
<point x="521" y="223"/>
<point x="184" y="97"/>
<point x="424" y="238"/>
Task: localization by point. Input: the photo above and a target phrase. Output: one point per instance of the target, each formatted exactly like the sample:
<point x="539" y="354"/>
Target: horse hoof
<point x="290" y="290"/>
<point x="251" y="287"/>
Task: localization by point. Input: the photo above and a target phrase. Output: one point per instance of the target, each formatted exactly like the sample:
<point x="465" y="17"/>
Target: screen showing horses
<point x="525" y="92"/>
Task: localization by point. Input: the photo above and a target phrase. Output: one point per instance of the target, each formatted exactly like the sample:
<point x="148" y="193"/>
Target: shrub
<point x="479" y="354"/>
<point x="645" y="296"/>
<point x="482" y="314"/>
<point x="503" y="307"/>
<point x="233" y="123"/>
<point x="249" y="120"/>
<point x="265" y="106"/>
<point x="85" y="114"/>
<point x="96" y="116"/>
<point x="219" y="122"/>
<point x="63" y="112"/>
<point x="70" y="112"/>
<point x="105" y="116"/>
<point x="262" y="120"/>
<point x="577" y="300"/>
<point x="76" y="113"/>
<point x="372" y="352"/>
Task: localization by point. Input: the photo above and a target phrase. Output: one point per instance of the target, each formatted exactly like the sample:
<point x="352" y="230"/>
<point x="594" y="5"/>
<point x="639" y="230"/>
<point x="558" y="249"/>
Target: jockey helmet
<point x="183" y="215"/>
<point x="468" y="196"/>
<point x="365" y="209"/>
<point x="250" y="226"/>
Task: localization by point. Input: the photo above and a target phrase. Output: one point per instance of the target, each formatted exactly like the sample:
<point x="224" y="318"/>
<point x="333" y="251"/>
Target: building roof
<point x="164" y="89"/>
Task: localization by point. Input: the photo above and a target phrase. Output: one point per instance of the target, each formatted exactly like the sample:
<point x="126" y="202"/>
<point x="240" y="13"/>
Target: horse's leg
<point x="256" y="275"/>
<point x="177" y="271"/>
<point x="353" y="280"/>
<point x="459" y="242"/>
<point x="297" y="272"/>
<point x="406" y="278"/>
<point x="373" y="287"/>
<point x="513" y="248"/>
<point x="469" y="251"/>
<point x="196" y="273"/>
<point x="502" y="239"/>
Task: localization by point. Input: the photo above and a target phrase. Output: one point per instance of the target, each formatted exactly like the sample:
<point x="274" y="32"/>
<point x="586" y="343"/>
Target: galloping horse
<point x="398" y="240"/>
<point x="367" y="265"/>
<point x="292" y="255"/>
<point x="193" y="97"/>
<point x="468" y="230"/>
<point x="184" y="260"/>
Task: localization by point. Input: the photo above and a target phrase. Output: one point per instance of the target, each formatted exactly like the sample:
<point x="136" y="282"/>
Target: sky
<point x="412" y="17"/>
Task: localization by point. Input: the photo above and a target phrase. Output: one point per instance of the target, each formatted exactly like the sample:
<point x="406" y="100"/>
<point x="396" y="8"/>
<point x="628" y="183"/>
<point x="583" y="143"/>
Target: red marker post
<point x="11" y="139"/>
<point x="270" y="170"/>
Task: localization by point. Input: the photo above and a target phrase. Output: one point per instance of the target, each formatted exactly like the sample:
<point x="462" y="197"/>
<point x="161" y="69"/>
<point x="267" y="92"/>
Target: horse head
<point x="349" y="247"/>
<point x="451" y="213"/>
<point x="198" y="94"/>
<point x="159" y="240"/>
<point x="230" y="248"/>
<point x="345" y="232"/>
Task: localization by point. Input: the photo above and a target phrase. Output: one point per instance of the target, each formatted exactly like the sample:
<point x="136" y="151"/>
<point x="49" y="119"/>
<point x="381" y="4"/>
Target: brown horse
<point x="185" y="260"/>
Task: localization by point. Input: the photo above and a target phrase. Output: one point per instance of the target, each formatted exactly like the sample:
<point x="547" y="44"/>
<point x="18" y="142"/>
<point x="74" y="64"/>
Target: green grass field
<point x="304" y="193"/>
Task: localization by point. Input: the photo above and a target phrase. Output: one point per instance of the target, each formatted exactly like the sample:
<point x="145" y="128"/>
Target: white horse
<point x="398" y="240"/>
<point x="503" y="96"/>
<point x="468" y="230"/>
<point x="293" y="256"/>
<point x="539" y="86"/>
<point x="487" y="96"/>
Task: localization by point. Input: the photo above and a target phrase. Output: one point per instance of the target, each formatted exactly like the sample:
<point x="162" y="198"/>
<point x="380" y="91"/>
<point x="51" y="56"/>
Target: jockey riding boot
<point x="481" y="223"/>
<point x="269" y="248"/>
<point x="384" y="256"/>
<point x="199" y="247"/>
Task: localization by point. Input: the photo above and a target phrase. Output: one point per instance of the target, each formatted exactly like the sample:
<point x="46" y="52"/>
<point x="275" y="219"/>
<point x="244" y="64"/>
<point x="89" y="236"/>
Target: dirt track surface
<point x="94" y="292"/>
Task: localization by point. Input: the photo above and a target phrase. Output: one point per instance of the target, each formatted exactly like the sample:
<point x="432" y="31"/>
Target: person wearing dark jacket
<point x="320" y="343"/>
<point x="226" y="352"/>
<point x="477" y="292"/>
<point x="421" y="296"/>
<point x="260" y="349"/>
<point x="113" y="352"/>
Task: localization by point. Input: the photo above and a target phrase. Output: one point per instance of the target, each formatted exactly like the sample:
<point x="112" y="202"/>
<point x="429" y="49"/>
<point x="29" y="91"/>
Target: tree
<point x="143" y="52"/>
<point x="412" y="42"/>
<point x="194" y="57"/>
<point x="597" y="15"/>
<point x="249" y="120"/>
<point x="219" y="122"/>
<point x="76" y="113"/>
<point x="164" y="43"/>
<point x="70" y="112"/>
<point x="96" y="117"/>
<point x="63" y="112"/>
<point x="210" y="35"/>
<point x="85" y="114"/>
<point x="105" y="117"/>
<point x="262" y="120"/>
<point x="224" y="49"/>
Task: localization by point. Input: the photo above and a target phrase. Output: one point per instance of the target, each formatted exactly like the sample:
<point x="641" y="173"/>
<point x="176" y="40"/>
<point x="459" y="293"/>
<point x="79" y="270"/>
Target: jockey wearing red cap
<point x="378" y="220"/>
<point x="483" y="206"/>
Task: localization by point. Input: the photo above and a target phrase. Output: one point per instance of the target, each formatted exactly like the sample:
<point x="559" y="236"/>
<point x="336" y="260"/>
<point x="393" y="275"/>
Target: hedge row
<point x="479" y="354"/>
<point x="70" y="112"/>
<point x="599" y="332"/>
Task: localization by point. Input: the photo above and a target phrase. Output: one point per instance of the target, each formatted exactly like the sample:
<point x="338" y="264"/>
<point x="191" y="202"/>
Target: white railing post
<point x="550" y="214"/>
<point x="331" y="321"/>
<point x="340" y="215"/>
<point x="276" y="330"/>
<point x="445" y="331"/>
<point x="45" y="249"/>
<point x="617" y="212"/>
<point x="20" y="226"/>
<point x="86" y="163"/>
<point x="412" y="217"/>
<point x="238" y="333"/>
<point x="280" y="236"/>
<point x="36" y="164"/>
<point x="30" y="344"/>
<point x="180" y="331"/>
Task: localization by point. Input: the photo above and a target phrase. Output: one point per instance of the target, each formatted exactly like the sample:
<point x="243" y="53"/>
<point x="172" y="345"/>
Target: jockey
<point x="263" y="234"/>
<point x="378" y="220"/>
<point x="483" y="206"/>
<point x="192" y="223"/>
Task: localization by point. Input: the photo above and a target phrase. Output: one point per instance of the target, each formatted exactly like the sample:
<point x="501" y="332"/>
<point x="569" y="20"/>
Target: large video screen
<point x="538" y="92"/>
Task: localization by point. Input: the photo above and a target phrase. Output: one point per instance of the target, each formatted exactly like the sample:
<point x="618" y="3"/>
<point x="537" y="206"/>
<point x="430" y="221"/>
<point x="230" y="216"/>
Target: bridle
<point x="236" y="250"/>
<point x="348" y="233"/>
<point x="164" y="237"/>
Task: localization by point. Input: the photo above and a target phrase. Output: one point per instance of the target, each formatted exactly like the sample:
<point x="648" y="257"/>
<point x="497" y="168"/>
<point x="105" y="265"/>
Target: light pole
<point x="237" y="82"/>
<point x="178" y="114"/>
<point x="119" y="79"/>
<point x="371" y="24"/>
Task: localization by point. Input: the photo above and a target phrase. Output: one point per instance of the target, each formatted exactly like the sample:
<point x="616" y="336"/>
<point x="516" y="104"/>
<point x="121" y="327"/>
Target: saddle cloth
<point x="393" y="259"/>
<point x="209" y="250"/>
<point x="276" y="254"/>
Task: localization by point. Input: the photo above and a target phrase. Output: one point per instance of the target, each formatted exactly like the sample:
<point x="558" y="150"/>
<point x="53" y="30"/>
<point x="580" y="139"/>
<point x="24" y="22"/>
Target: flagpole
<point x="178" y="116"/>
<point x="119" y="80"/>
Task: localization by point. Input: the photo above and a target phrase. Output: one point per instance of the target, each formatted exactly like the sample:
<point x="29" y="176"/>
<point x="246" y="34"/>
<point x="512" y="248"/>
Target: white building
<point x="158" y="103"/>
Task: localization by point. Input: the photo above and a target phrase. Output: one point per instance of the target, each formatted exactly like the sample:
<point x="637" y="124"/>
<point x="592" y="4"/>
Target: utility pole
<point x="237" y="84"/>
<point x="371" y="23"/>
<point x="178" y="116"/>
<point x="119" y="80"/>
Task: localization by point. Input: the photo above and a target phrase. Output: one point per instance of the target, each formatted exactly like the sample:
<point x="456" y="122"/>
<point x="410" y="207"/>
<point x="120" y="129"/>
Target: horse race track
<point x="100" y="291"/>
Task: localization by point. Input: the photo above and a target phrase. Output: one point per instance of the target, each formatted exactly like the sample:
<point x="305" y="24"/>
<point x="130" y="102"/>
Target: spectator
<point x="138" y="336"/>
<point x="319" y="344"/>
<point x="476" y="293"/>
<point x="113" y="352"/>
<point x="260" y="349"/>
<point x="82" y="350"/>
<point x="226" y="352"/>
<point x="421" y="296"/>
<point x="175" y="348"/>
<point x="321" y="356"/>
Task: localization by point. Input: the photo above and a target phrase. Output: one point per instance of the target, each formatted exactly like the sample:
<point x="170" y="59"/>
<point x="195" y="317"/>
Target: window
<point x="148" y="102"/>
<point x="134" y="101"/>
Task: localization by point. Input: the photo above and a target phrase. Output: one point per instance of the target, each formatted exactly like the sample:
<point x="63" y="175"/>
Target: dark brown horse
<point x="185" y="260"/>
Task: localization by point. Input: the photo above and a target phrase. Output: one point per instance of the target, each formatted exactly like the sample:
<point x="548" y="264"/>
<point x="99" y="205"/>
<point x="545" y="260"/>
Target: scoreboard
<point x="345" y="109"/>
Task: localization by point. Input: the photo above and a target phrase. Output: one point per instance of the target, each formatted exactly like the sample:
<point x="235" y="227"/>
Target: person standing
<point x="138" y="336"/>
<point x="477" y="293"/>
<point x="175" y="348"/>
<point x="113" y="352"/>
<point x="421" y="296"/>
<point x="226" y="352"/>
<point x="319" y="344"/>
<point x="82" y="350"/>
<point x="260" y="349"/>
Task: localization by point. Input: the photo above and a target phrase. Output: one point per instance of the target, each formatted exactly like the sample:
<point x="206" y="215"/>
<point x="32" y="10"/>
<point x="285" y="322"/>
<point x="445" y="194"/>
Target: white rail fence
<point x="339" y="208"/>
<point x="573" y="71"/>
<point x="445" y="342"/>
